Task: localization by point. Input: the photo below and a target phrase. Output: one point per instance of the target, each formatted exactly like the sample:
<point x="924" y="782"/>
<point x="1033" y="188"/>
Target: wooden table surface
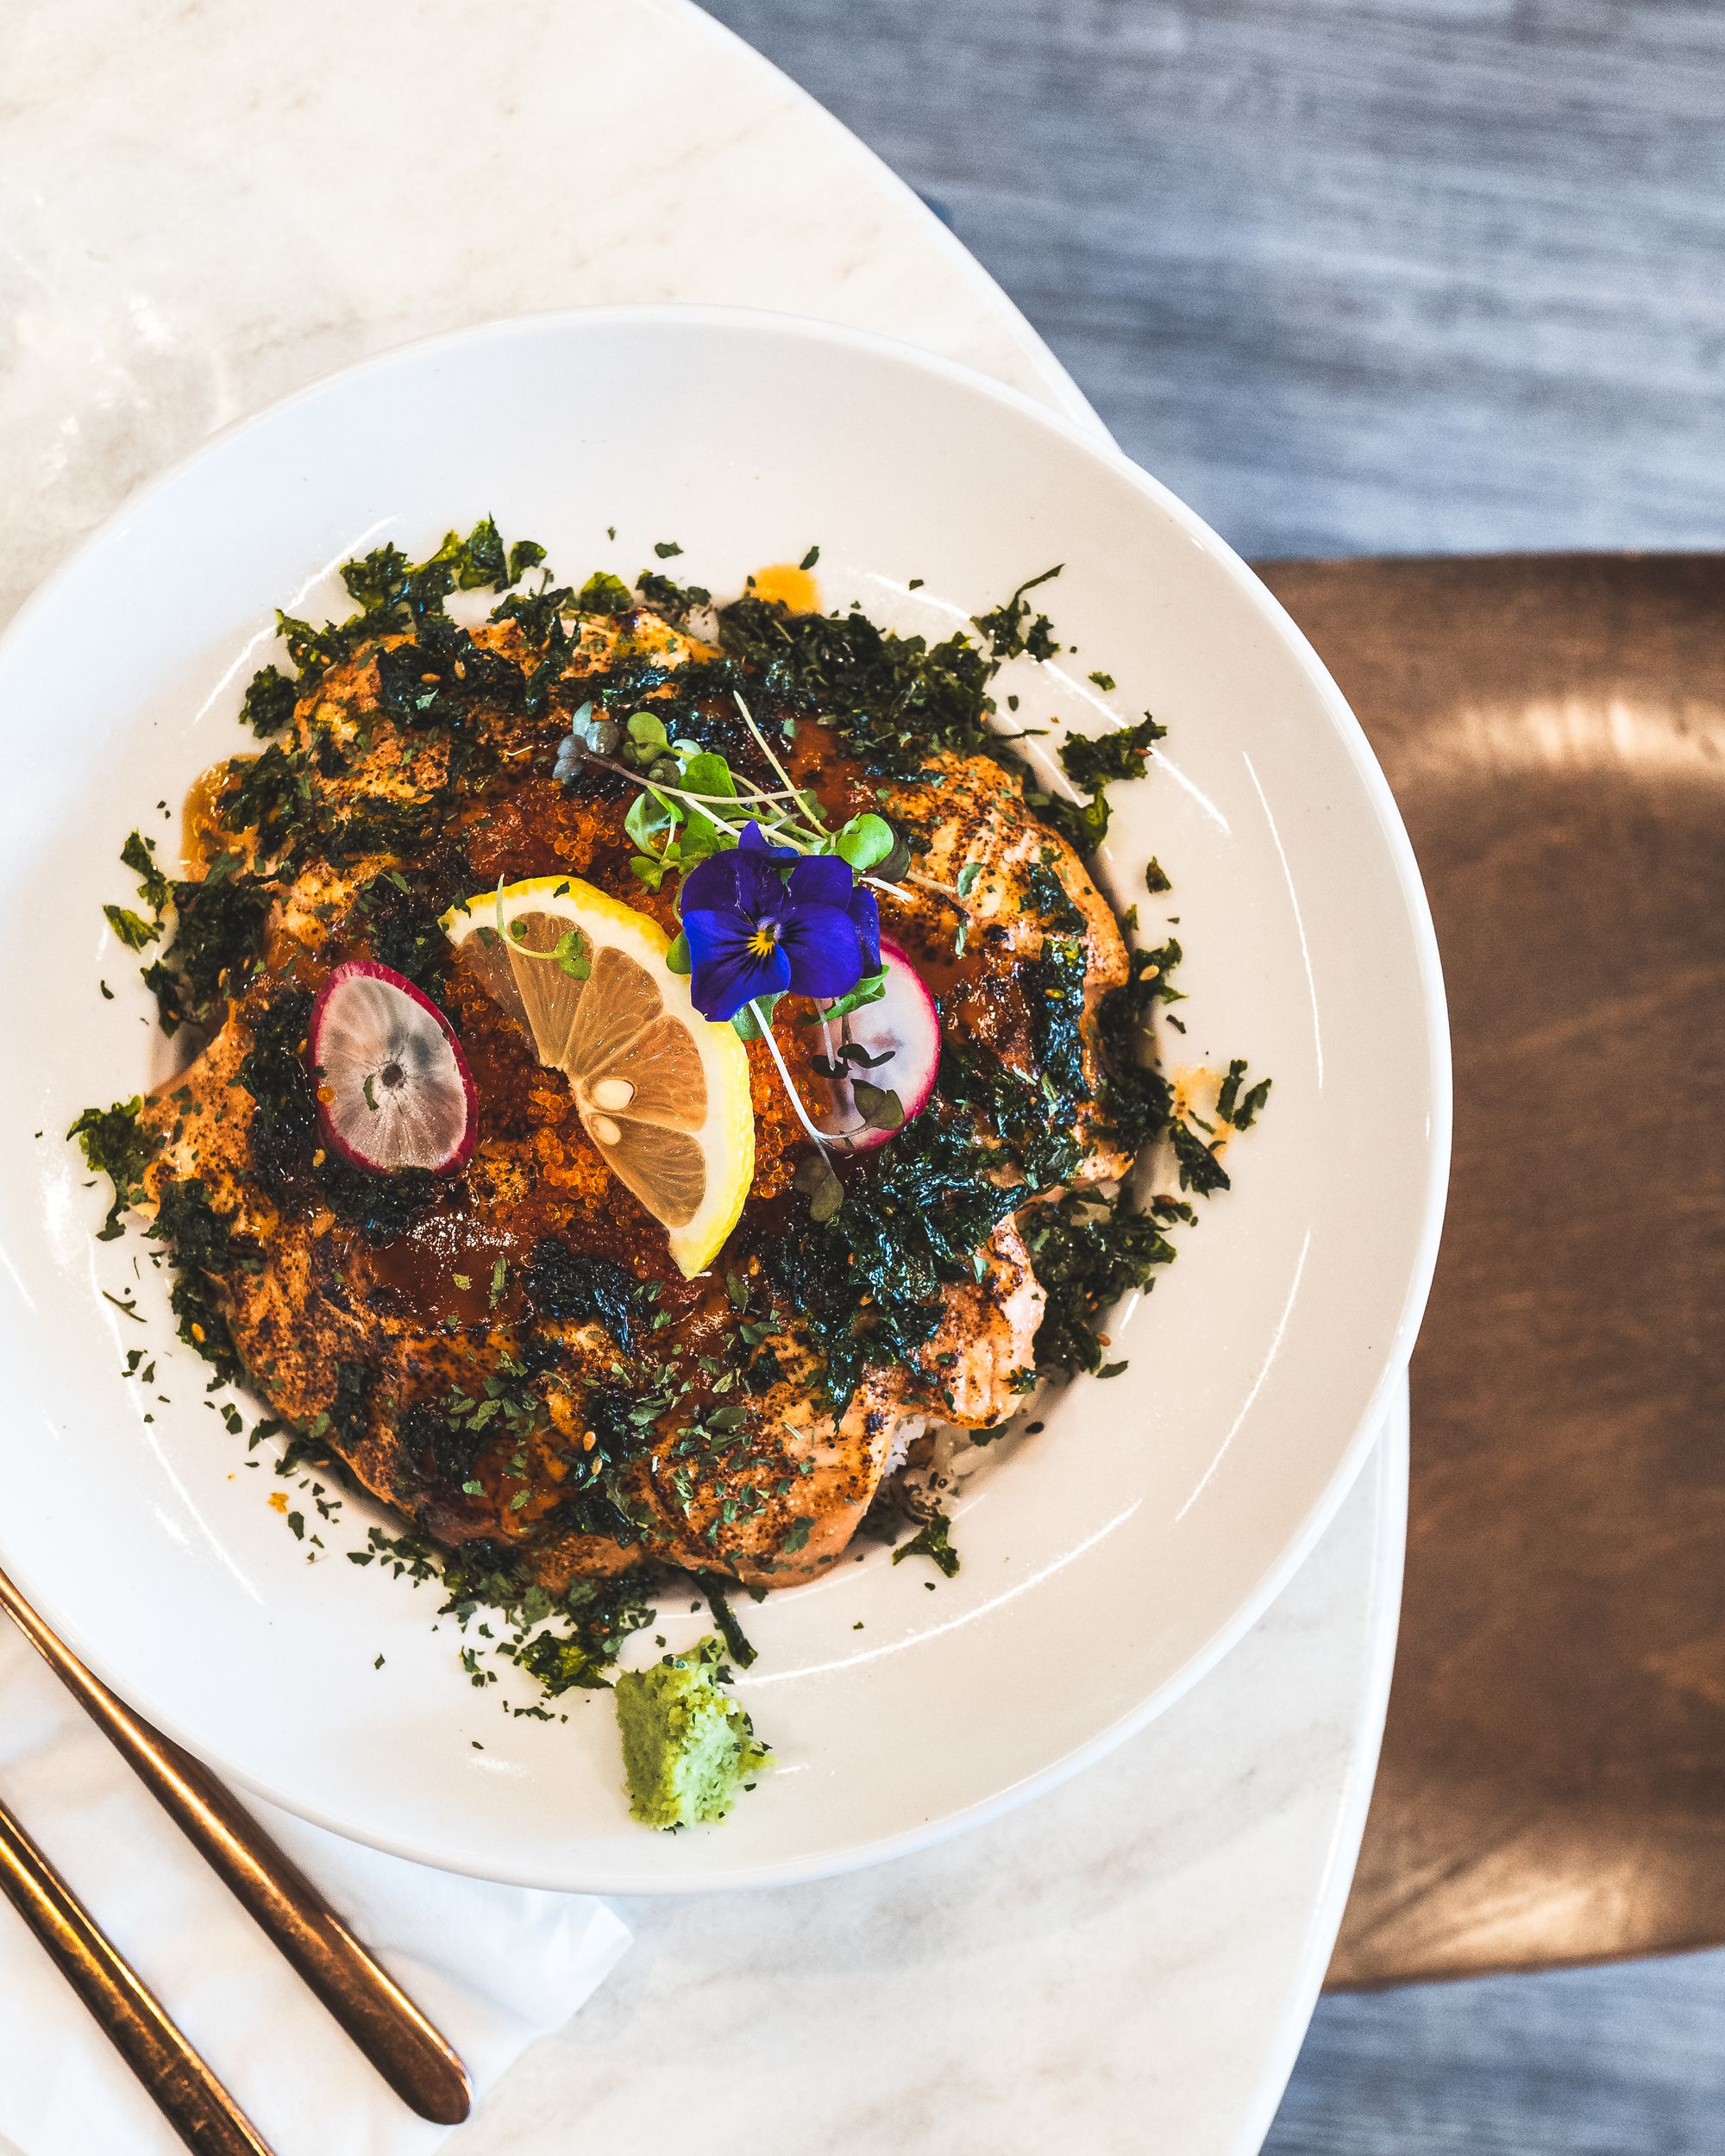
<point x="1552" y="1786"/>
<point x="1367" y="277"/>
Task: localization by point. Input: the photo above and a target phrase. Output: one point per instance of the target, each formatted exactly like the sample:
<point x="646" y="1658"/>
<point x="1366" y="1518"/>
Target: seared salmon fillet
<point x="507" y="1355"/>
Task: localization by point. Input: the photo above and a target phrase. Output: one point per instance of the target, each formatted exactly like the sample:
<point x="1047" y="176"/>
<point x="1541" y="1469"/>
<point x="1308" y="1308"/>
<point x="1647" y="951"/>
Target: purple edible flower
<point x="763" y="920"/>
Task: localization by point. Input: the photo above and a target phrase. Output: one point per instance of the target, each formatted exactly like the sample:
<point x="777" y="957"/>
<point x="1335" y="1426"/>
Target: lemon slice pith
<point x="662" y="1092"/>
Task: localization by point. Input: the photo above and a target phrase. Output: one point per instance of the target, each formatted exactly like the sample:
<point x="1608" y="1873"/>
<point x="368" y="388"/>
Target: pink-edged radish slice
<point x="393" y="1087"/>
<point x="903" y="1026"/>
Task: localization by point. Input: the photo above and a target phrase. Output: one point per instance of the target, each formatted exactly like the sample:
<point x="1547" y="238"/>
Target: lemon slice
<point x="662" y="1092"/>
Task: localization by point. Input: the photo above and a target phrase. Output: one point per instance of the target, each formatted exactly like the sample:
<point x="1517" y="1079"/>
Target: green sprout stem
<point x="927" y="883"/>
<point x="801" y="836"/>
<point x="828" y="1141"/>
<point x="766" y="747"/>
<point x="822" y="1138"/>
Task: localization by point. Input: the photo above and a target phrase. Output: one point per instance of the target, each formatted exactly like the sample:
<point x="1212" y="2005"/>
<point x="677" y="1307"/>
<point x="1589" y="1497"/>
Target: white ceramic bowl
<point x="1106" y="1561"/>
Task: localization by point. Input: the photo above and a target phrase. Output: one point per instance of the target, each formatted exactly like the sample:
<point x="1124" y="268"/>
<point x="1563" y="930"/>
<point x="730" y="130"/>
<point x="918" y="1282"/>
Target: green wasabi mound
<point x="687" y="1747"/>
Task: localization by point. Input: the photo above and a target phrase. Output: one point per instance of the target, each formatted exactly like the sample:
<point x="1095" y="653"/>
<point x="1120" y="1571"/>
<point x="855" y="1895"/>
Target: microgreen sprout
<point x="772" y="897"/>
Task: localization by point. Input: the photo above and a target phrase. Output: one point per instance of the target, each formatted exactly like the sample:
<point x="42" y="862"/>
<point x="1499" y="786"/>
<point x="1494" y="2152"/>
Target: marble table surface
<point x="204" y="209"/>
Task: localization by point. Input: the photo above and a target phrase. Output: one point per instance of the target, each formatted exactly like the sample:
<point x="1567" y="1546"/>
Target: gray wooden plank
<point x="1622" y="2061"/>
<point x="1353" y="275"/>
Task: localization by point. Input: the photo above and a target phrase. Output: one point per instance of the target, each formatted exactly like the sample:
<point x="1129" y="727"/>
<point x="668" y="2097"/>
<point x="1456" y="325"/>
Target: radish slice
<point x="393" y="1087"/>
<point x="904" y="1027"/>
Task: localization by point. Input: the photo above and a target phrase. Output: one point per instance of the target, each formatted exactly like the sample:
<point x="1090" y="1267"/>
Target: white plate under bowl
<point x="1107" y="1561"/>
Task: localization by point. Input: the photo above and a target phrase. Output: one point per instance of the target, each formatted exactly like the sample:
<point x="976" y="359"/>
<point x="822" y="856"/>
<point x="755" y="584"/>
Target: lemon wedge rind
<point x="661" y="1092"/>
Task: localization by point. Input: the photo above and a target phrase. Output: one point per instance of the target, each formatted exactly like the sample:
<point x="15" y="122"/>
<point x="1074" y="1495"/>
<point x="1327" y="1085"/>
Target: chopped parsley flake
<point x="933" y="1540"/>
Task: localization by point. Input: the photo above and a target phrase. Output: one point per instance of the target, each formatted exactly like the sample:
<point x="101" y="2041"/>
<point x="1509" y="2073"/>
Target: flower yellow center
<point x="765" y="940"/>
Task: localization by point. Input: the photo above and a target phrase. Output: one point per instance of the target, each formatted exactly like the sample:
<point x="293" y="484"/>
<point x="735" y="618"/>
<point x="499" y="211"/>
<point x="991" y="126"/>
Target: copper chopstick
<point x="391" y="2032"/>
<point x="191" y="2099"/>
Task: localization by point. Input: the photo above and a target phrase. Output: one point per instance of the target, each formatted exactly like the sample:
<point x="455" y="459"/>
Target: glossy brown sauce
<point x="200" y="829"/>
<point x="445" y="1267"/>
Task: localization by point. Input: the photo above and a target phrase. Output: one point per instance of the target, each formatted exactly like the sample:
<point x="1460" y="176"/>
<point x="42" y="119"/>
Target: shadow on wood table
<point x="1553" y="1786"/>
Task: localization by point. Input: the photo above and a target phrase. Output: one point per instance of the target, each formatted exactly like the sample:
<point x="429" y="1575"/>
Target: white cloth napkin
<point x="492" y="1967"/>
